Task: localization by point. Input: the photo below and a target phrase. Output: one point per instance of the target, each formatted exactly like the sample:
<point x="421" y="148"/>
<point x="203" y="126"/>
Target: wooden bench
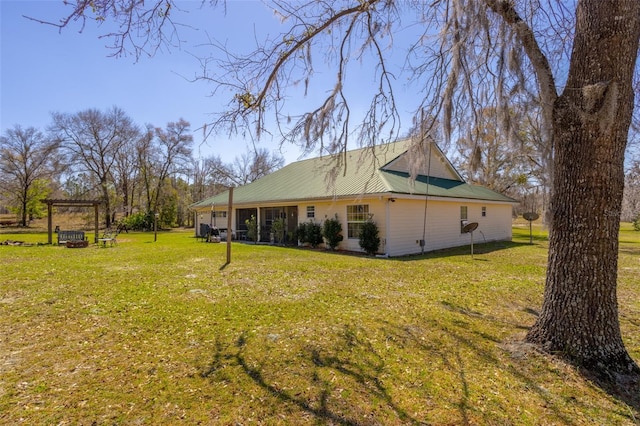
<point x="64" y="236"/>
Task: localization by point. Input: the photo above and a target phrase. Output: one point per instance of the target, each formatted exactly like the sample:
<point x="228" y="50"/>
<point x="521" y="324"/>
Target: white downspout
<point x="387" y="226"/>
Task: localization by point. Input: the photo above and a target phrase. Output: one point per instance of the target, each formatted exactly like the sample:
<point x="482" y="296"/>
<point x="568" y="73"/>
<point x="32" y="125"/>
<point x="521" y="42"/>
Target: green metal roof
<point x="438" y="187"/>
<point x="354" y="173"/>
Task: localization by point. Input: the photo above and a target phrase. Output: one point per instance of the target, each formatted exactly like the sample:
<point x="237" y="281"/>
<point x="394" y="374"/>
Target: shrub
<point x="300" y="233"/>
<point x="277" y="227"/>
<point x="138" y="221"/>
<point x="331" y="230"/>
<point x="314" y="234"/>
<point x="369" y="239"/>
<point x="252" y="228"/>
<point x="636" y="223"/>
<point x="309" y="232"/>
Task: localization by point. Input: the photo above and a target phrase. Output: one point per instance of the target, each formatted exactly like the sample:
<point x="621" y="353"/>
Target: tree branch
<point x="546" y="82"/>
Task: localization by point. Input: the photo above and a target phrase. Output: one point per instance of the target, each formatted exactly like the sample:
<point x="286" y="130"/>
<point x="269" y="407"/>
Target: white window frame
<point x="464" y="213"/>
<point x="357" y="214"/>
<point x="311" y="212"/>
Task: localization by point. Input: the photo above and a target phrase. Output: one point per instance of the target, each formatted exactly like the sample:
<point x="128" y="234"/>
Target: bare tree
<point x="163" y="152"/>
<point x="492" y="160"/>
<point x="631" y="198"/>
<point x="125" y="176"/>
<point x="575" y="65"/>
<point x="540" y="156"/>
<point x="92" y="140"/>
<point x="199" y="174"/>
<point x="253" y="165"/>
<point x="26" y="157"/>
<point x="145" y="159"/>
<point x="211" y="176"/>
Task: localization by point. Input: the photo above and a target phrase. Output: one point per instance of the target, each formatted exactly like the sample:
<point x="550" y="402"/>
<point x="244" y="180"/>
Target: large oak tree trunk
<point x="579" y="316"/>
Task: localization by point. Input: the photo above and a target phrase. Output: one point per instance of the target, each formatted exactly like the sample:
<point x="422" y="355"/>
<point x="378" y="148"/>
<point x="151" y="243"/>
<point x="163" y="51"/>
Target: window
<point x="311" y="212"/>
<point x="356" y="216"/>
<point x="463" y="213"/>
<point x="484" y="211"/>
<point x="219" y="214"/>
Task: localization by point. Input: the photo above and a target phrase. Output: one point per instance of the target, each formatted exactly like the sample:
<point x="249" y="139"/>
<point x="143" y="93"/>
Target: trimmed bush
<point x="314" y="234"/>
<point x="309" y="232"/>
<point x="300" y="233"/>
<point x="369" y="239"/>
<point x="331" y="231"/>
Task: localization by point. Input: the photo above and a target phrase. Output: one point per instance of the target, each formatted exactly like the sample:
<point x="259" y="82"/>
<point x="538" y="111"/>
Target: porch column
<point x="95" y="237"/>
<point x="259" y="224"/>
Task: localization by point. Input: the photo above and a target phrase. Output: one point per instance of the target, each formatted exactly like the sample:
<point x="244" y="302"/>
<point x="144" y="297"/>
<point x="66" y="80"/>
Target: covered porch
<point x="266" y="216"/>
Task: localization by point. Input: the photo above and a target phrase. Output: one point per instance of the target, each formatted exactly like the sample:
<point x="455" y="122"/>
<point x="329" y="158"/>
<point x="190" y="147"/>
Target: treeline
<point x="136" y="171"/>
<point x="140" y="171"/>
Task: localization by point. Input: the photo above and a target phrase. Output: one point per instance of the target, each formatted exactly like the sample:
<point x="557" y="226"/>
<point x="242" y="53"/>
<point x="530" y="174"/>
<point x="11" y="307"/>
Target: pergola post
<point x="49" y="207"/>
<point x="95" y="235"/>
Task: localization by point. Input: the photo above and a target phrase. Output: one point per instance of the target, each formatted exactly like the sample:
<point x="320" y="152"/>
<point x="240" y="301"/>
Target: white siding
<point x="443" y="228"/>
<point x="326" y="210"/>
<point x="406" y="222"/>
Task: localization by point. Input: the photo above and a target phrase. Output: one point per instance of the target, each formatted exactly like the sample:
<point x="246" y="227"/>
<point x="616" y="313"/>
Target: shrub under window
<point x="369" y="239"/>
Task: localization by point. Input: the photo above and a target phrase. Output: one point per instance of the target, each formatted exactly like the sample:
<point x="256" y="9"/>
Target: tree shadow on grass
<point x="321" y="403"/>
<point x="348" y="380"/>
<point x="624" y="388"/>
<point x="484" y="348"/>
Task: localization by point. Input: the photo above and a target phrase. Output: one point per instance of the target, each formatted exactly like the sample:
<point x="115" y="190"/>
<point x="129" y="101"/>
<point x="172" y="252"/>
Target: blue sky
<point x="43" y="70"/>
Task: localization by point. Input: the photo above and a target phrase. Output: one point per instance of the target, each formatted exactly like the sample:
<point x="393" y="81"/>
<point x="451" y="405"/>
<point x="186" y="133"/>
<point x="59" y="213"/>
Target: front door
<point x="292" y="223"/>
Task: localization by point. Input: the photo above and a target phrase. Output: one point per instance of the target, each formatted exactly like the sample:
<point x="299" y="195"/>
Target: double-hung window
<point x="356" y="215"/>
<point x="463" y="218"/>
<point x="311" y="212"/>
<point x="463" y="213"/>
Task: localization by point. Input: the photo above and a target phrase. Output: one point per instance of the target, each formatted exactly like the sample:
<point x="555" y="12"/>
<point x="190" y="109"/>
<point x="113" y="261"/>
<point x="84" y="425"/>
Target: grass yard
<point x="162" y="333"/>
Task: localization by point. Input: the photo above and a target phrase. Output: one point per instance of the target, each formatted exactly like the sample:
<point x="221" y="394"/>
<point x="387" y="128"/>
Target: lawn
<point x="165" y="333"/>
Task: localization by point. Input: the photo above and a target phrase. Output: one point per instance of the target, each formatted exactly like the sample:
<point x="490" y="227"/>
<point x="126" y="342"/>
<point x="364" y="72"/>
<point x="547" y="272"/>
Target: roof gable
<point x="424" y="159"/>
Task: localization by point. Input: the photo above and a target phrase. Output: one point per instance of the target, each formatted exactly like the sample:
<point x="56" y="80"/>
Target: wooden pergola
<point x="71" y="203"/>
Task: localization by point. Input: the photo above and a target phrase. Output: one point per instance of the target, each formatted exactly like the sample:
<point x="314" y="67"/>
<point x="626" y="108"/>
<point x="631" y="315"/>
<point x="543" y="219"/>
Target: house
<point x="411" y="191"/>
